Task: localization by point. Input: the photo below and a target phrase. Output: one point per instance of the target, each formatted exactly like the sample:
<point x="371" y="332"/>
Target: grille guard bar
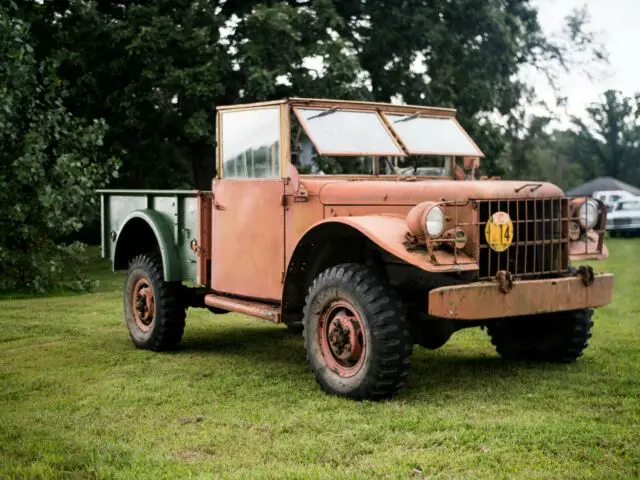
<point x="551" y="228"/>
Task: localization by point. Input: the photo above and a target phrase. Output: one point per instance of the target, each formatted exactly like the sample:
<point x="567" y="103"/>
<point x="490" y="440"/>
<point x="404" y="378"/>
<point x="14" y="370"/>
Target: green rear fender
<point x="136" y="237"/>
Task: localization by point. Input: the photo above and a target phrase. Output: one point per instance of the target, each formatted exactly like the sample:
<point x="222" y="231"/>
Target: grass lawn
<point x="237" y="400"/>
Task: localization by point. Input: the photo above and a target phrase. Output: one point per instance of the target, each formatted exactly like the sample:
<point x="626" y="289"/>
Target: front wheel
<point x="356" y="334"/>
<point x="153" y="308"/>
<point x="554" y="337"/>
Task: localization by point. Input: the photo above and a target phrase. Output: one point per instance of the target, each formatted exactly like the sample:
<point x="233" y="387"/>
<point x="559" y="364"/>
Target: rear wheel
<point x="613" y="234"/>
<point x="556" y="337"/>
<point x="356" y="335"/>
<point x="153" y="308"/>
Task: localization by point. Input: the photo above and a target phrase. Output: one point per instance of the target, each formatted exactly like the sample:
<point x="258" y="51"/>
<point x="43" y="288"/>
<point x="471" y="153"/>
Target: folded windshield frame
<point x="399" y="131"/>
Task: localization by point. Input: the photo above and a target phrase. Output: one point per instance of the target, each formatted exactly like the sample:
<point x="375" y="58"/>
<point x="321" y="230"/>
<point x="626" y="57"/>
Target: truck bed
<point x="186" y="214"/>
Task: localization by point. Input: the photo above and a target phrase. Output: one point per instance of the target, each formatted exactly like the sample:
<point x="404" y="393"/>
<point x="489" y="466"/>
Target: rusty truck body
<point x="362" y="225"/>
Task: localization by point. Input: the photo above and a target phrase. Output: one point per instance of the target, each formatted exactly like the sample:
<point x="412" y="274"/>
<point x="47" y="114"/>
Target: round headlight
<point x="434" y="223"/>
<point x="588" y="214"/>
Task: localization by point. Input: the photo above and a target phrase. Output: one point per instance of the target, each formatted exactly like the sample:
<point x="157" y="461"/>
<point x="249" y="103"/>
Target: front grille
<point x="620" y="222"/>
<point x="540" y="243"/>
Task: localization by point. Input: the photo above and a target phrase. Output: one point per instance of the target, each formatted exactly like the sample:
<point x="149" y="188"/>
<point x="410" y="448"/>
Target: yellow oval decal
<point x="499" y="231"/>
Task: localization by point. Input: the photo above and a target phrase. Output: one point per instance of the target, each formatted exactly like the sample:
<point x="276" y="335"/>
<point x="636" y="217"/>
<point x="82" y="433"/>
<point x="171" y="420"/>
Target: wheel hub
<point x="342" y="338"/>
<point x="143" y="304"/>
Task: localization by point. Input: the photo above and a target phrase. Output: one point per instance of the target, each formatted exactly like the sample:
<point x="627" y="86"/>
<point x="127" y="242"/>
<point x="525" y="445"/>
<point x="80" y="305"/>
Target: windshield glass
<point x="432" y="135"/>
<point x="345" y="132"/>
<point x="337" y="140"/>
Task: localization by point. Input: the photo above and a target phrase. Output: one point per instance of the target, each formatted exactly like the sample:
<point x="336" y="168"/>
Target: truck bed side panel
<point x="178" y="210"/>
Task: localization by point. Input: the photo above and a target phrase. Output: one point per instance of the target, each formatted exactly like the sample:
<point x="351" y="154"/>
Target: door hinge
<point x="283" y="200"/>
<point x="301" y="197"/>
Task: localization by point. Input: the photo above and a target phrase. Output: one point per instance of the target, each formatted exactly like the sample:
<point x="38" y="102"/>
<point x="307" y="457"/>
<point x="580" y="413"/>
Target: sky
<point x="617" y="24"/>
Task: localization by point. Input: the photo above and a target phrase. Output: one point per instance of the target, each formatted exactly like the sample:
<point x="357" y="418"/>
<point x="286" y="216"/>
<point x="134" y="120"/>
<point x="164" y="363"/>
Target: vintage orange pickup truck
<point x="363" y="225"/>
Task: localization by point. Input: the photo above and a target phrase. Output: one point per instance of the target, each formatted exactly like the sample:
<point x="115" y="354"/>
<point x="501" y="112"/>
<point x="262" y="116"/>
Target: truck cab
<point x="362" y="225"/>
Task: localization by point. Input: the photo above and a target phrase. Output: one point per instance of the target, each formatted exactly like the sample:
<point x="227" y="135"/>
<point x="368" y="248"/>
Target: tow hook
<point x="505" y="281"/>
<point x="587" y="275"/>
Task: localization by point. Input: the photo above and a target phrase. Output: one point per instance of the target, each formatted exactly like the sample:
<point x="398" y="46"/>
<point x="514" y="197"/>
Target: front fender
<point x="388" y="232"/>
<point x="154" y="221"/>
<point x="588" y="248"/>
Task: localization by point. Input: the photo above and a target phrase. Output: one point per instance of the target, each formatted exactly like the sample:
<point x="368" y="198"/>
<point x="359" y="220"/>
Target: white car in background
<point x="611" y="197"/>
<point x="625" y="218"/>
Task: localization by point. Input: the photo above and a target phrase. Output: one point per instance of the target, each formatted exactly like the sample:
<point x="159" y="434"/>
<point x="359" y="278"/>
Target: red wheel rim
<point x="143" y="304"/>
<point x="342" y="338"/>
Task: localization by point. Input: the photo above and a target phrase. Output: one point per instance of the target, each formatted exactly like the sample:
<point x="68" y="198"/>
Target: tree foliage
<point x="607" y="141"/>
<point x="603" y="142"/>
<point x="47" y="164"/>
<point x="155" y="69"/>
<point x="542" y="153"/>
<point x="90" y="81"/>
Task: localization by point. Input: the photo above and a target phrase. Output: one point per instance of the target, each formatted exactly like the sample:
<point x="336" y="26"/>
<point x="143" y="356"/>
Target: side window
<point x="251" y="143"/>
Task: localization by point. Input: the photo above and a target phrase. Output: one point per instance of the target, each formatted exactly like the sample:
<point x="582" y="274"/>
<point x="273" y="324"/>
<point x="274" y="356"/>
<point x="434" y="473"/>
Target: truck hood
<point x="411" y="193"/>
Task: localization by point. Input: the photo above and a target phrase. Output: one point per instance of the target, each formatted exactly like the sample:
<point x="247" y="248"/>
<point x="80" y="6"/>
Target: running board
<point x="248" y="307"/>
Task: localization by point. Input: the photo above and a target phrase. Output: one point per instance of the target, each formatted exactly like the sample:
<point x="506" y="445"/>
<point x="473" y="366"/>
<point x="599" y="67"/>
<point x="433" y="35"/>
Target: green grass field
<point x="238" y="401"/>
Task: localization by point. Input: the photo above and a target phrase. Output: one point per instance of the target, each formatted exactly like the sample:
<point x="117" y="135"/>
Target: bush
<point x="48" y="167"/>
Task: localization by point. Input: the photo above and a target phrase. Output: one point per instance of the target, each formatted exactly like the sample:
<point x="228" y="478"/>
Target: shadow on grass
<point x="438" y="373"/>
<point x="269" y="342"/>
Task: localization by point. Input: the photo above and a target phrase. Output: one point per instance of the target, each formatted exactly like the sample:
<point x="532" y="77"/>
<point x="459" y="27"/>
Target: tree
<point x="48" y="171"/>
<point x="607" y="141"/>
<point x="155" y="69"/>
<point x="152" y="70"/>
<point x="543" y="154"/>
<point x="469" y="55"/>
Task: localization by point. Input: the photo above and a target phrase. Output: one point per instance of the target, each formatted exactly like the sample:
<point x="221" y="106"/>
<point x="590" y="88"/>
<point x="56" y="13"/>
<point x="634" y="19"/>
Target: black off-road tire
<point x="388" y="344"/>
<point x="556" y="337"/>
<point x="167" y="324"/>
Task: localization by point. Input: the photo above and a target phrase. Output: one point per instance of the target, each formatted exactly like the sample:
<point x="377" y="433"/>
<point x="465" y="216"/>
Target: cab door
<point x="248" y="212"/>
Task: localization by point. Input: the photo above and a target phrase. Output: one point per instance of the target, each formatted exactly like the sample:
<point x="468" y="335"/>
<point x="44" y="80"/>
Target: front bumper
<point x="486" y="300"/>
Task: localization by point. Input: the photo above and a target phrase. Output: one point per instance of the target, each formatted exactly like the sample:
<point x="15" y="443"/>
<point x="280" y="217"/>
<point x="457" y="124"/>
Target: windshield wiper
<point x="324" y="114"/>
<point x="410" y="117"/>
